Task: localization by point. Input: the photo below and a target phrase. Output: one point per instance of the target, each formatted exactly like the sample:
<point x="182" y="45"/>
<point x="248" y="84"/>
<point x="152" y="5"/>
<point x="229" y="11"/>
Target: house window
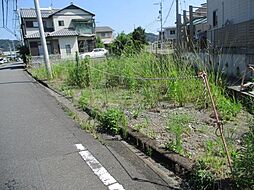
<point x="215" y="18"/>
<point x="103" y="34"/>
<point x="33" y="44"/>
<point x="29" y="24"/>
<point x="172" y="32"/>
<point x="32" y="24"/>
<point x="44" y="24"/>
<point x="35" y="24"/>
<point x="68" y="49"/>
<point x="60" y="23"/>
<point x="84" y="27"/>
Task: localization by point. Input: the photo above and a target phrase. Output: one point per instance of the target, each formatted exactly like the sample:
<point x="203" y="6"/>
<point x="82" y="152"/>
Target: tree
<point x="99" y="43"/>
<point x="121" y="44"/>
<point x="24" y="52"/>
<point x="139" y="38"/>
<point x="129" y="43"/>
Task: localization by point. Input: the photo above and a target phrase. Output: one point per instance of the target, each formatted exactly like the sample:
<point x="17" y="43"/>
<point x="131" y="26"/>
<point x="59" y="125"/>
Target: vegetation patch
<point x="163" y="99"/>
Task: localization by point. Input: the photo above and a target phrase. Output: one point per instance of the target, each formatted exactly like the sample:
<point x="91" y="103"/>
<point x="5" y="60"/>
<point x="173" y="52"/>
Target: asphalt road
<point x="38" y="145"/>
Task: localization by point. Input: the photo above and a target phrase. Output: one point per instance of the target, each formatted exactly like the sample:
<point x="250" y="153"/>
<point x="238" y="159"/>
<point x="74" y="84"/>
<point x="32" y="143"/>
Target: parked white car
<point x="96" y="53"/>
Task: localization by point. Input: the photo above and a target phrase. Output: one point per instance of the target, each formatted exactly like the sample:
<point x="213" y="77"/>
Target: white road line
<point x="115" y="186"/>
<point x="80" y="147"/>
<point x="98" y="169"/>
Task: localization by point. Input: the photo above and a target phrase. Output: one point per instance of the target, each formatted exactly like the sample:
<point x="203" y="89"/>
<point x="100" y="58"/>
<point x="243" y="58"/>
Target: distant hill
<point x="150" y="37"/>
<point x="6" y="43"/>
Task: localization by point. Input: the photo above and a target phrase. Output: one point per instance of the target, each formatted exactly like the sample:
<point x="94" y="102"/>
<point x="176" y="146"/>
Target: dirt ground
<point x="199" y="130"/>
<point x="198" y="134"/>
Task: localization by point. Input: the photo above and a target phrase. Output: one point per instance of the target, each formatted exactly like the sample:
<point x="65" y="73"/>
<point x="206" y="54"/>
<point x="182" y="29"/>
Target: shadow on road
<point x="16" y="82"/>
<point x="13" y="66"/>
<point x="163" y="185"/>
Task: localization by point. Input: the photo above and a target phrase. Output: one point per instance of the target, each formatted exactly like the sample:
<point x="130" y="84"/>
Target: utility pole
<point x="191" y="28"/>
<point x="14" y="49"/>
<point x="161" y="24"/>
<point x="160" y="17"/>
<point x="185" y="20"/>
<point x="10" y="49"/>
<point x="177" y="23"/>
<point x="43" y="39"/>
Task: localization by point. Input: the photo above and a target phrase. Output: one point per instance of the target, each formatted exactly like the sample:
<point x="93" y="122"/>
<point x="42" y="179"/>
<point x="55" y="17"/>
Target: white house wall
<point x="235" y="11"/>
<point x="168" y="35"/>
<point x="72" y="41"/>
<point x="67" y="15"/>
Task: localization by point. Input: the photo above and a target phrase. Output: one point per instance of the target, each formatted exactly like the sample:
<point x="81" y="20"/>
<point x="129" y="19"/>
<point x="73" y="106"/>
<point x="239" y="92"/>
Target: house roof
<point x="72" y="6"/>
<point x="170" y="28"/>
<point x="46" y="13"/>
<point x="103" y="29"/>
<point x="62" y="32"/>
<point x="30" y="13"/>
<point x="197" y="21"/>
<point x="36" y="35"/>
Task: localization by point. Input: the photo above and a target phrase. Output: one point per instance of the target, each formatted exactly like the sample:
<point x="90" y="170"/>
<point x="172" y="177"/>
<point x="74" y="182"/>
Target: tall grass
<point x="155" y="78"/>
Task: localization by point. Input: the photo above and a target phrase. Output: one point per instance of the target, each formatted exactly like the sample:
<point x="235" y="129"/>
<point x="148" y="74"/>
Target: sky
<point x="120" y="15"/>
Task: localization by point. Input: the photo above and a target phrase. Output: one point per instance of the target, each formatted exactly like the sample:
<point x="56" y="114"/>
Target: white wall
<point x="67" y="15"/>
<point x="236" y="11"/>
<point x="167" y="33"/>
<point x="72" y="41"/>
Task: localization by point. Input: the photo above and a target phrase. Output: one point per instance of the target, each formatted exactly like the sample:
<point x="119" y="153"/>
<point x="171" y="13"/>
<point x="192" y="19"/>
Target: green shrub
<point x="84" y="99"/>
<point x="244" y="162"/>
<point x="40" y="73"/>
<point x="79" y="76"/>
<point x="177" y="124"/>
<point x="227" y="107"/>
<point x="201" y="178"/>
<point x="113" y="120"/>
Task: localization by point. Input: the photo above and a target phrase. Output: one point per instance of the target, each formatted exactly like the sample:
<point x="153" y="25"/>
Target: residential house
<point x="231" y="33"/>
<point x="105" y="33"/>
<point x="201" y="11"/>
<point x="67" y="30"/>
<point x="231" y="25"/>
<point x="169" y="33"/>
<point x="194" y="31"/>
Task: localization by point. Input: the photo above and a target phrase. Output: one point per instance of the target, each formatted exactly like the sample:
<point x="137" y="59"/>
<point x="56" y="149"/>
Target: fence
<point x="166" y="47"/>
<point x="37" y="61"/>
<point x="234" y="35"/>
<point x="229" y="64"/>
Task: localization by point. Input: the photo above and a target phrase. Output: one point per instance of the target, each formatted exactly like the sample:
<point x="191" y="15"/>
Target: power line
<point x="168" y="13"/>
<point x="7" y="8"/>
<point x="3" y="12"/>
<point x="150" y="24"/>
<point x="9" y="13"/>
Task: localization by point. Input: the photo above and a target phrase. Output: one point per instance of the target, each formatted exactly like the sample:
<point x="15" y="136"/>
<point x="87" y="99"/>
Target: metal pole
<point x="3" y="13"/>
<point x="185" y="27"/>
<point x="218" y="123"/>
<point x="191" y="28"/>
<point x="161" y="24"/>
<point x="177" y="24"/>
<point x="43" y="39"/>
